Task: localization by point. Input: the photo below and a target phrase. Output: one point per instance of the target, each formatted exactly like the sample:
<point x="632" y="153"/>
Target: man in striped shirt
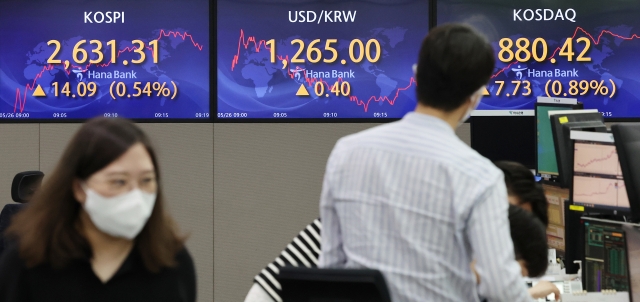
<point x="529" y="242"/>
<point x="411" y="200"/>
<point x="527" y="232"/>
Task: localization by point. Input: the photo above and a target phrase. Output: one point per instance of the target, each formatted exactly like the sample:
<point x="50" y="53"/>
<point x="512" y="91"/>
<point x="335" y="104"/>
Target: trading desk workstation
<point x="591" y="176"/>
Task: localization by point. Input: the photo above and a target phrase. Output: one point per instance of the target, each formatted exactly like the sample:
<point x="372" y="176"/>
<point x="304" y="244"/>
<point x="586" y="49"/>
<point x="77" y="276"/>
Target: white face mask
<point x="476" y="97"/>
<point x="120" y="216"/>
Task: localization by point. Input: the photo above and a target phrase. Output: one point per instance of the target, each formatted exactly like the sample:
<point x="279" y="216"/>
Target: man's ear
<point x="477" y="96"/>
<point x="471" y="100"/>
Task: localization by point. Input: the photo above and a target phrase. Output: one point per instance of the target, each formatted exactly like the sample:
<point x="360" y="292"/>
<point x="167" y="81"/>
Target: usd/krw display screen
<point x="584" y="49"/>
<point x="317" y="59"/>
<point x="66" y="60"/>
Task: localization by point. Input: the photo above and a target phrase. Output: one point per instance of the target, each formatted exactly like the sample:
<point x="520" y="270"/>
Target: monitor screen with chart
<point x="598" y="184"/>
<point x="606" y="256"/>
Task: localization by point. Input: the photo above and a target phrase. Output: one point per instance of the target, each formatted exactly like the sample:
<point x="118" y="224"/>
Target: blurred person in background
<point x="97" y="229"/>
<point x="529" y="236"/>
<point x="523" y="190"/>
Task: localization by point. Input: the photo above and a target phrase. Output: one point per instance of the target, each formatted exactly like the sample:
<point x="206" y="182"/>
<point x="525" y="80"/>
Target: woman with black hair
<point x="523" y="190"/>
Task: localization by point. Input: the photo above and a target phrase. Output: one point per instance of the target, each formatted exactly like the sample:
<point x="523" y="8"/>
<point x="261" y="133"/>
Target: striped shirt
<point x="412" y="200"/>
<point x="303" y="251"/>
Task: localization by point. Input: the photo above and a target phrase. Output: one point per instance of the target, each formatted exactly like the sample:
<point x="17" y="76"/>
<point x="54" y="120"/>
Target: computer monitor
<point x="598" y="184"/>
<point x="627" y="141"/>
<point x="561" y="126"/>
<point x="509" y="138"/>
<point x="546" y="164"/>
<point x="605" y="264"/>
<point x="315" y="284"/>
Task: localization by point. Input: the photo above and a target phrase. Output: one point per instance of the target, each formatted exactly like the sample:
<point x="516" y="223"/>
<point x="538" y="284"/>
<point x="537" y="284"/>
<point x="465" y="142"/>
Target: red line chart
<point x="600" y="191"/>
<point x="258" y="45"/>
<point x="598" y="159"/>
<point x="595" y="160"/>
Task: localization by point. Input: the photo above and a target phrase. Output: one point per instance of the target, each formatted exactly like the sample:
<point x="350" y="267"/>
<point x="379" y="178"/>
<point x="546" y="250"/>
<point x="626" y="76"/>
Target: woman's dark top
<point x="78" y="283"/>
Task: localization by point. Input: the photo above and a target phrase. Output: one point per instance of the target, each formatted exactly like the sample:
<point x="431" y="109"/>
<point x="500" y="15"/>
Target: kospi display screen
<point x="74" y="60"/>
<point x="584" y="49"/>
<point x="331" y="60"/>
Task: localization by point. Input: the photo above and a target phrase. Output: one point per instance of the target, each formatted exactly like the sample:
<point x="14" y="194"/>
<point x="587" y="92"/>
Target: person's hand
<point x="473" y="269"/>
<point x="543" y="289"/>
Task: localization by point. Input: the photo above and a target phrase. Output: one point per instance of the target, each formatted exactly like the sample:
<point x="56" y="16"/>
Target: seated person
<point x="523" y="190"/>
<point x="529" y="238"/>
<point x="303" y="251"/>
<point x="527" y="232"/>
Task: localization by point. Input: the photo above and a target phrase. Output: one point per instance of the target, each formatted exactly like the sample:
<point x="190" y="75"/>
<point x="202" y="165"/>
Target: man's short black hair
<point x="522" y="184"/>
<point x="455" y="61"/>
<point x="529" y="238"/>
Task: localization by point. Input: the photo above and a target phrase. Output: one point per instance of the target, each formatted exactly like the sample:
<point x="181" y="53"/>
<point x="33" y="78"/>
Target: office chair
<point x="22" y="188"/>
<point x="324" y="285"/>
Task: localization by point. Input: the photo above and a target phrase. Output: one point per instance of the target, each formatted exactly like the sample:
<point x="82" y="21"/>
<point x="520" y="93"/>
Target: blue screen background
<point x="612" y="26"/>
<point x="256" y="88"/>
<point x="181" y="26"/>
